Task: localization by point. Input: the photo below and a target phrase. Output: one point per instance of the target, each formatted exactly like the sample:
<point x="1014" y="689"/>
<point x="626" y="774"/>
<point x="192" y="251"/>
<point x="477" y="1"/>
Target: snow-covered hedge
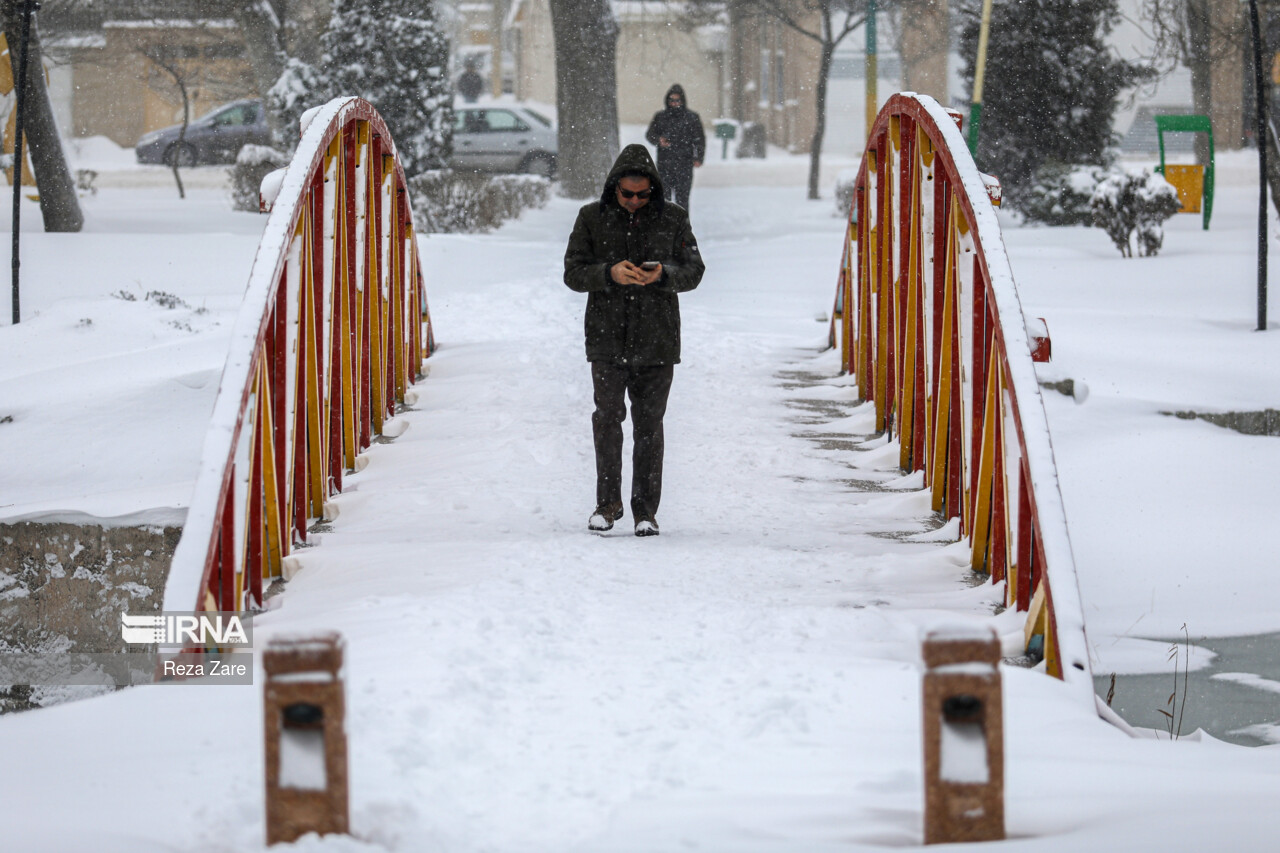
<point x="1118" y="200"/>
<point x="448" y="201"/>
<point x="253" y="163"/>
<point x="1060" y="195"/>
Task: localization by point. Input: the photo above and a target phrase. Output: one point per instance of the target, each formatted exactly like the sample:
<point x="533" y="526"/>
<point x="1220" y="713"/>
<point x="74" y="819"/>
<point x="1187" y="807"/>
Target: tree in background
<point x="261" y="24"/>
<point x="393" y="54"/>
<point x="586" y="37"/>
<point x="59" y="206"/>
<point x="825" y="22"/>
<point x="1197" y="34"/>
<point x="1052" y="85"/>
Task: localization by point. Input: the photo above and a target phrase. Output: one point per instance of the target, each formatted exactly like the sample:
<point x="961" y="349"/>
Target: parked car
<point x="215" y="137"/>
<point x="503" y="138"/>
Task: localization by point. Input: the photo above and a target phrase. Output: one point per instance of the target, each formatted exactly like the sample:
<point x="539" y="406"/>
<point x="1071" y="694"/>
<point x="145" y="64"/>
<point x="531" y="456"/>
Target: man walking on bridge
<point x="682" y="145"/>
<point x="631" y="253"/>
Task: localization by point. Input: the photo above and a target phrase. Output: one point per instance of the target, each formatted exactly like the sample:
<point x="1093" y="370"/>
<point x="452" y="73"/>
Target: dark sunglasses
<point x="640" y="194"/>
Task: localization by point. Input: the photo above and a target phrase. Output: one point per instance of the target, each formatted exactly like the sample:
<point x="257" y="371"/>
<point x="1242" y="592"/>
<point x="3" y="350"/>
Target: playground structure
<point x="929" y="321"/>
<point x="1193" y="182"/>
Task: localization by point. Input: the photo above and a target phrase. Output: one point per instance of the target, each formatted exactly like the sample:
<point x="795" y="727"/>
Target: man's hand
<point x="625" y="272"/>
<point x="663" y="142"/>
<point x="697" y="163"/>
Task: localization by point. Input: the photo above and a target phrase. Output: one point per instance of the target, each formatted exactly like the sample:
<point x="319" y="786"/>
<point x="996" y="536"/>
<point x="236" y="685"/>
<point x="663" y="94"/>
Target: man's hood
<point x="633" y="159"/>
<point x="676" y="89"/>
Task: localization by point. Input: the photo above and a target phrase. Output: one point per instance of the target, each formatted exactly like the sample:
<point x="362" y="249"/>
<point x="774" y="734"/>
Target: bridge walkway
<point x="593" y="689"/>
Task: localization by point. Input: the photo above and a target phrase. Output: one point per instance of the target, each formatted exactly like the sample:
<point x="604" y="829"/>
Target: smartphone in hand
<point x="650" y="265"/>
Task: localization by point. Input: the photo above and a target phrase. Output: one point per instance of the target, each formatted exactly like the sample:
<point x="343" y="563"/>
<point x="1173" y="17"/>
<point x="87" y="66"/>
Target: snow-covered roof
<point x="623" y="10"/>
<point x="172" y="24"/>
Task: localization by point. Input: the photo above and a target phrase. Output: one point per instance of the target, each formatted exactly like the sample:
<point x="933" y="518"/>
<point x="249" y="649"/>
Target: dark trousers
<point x="677" y="180"/>
<point x="648" y="388"/>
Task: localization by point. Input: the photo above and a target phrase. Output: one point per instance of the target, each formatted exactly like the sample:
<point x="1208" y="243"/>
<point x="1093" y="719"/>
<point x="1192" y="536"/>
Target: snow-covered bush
<point x="1129" y="200"/>
<point x="1060" y="195"/>
<point x="846" y="186"/>
<point x="253" y="163"/>
<point x="449" y="202"/>
<point x="392" y="53"/>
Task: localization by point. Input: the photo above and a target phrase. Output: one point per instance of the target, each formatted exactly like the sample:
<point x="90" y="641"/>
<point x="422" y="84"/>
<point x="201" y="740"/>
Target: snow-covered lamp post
<point x="305" y="737"/>
<point x="963" y="702"/>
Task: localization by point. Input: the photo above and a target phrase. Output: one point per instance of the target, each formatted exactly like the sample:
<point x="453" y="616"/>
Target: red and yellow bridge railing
<point x="929" y="321"/>
<point x="332" y="332"/>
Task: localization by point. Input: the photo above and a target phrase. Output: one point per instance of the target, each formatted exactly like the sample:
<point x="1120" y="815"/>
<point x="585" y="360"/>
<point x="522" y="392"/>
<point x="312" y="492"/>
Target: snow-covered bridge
<point x="747" y="681"/>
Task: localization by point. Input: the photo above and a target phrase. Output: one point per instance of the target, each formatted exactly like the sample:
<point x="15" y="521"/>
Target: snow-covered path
<point x="747" y="681"/>
<point x="624" y="669"/>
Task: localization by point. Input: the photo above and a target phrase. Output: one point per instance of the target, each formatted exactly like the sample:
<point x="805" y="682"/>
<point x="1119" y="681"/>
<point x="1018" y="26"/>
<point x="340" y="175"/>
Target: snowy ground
<point x="747" y="681"/>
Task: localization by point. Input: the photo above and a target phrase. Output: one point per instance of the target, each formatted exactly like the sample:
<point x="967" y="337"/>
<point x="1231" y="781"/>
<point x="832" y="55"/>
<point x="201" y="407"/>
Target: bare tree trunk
<point x="182" y="135"/>
<point x="59" y="205"/>
<point x="264" y="46"/>
<point x="1199" y="61"/>
<point x="586" y="37"/>
<point x="159" y="58"/>
<point x="820" y="118"/>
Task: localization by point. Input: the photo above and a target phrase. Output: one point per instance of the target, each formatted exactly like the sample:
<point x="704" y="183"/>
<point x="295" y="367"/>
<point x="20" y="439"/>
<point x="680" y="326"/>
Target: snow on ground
<point x="1171" y="519"/>
<point x="749" y="680"/>
<point x="113" y="385"/>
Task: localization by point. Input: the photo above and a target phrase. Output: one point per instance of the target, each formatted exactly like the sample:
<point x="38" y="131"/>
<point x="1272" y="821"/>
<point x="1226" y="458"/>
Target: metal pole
<point x="21" y="88"/>
<point x="979" y="77"/>
<point x="1260" y="106"/>
<point x="872" y="71"/>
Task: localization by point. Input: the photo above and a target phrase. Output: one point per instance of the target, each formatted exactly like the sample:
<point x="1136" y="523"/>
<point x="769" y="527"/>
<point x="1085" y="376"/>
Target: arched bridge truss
<point x="929" y="321"/>
<point x="332" y="333"/>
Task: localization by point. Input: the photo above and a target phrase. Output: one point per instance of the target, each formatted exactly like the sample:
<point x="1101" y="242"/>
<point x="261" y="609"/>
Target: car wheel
<point x="183" y="155"/>
<point x="542" y="165"/>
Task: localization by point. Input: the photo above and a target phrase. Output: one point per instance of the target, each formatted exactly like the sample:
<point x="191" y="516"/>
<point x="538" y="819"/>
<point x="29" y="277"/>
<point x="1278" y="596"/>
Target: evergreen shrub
<point x="395" y="55"/>
<point x="1051" y="88"/>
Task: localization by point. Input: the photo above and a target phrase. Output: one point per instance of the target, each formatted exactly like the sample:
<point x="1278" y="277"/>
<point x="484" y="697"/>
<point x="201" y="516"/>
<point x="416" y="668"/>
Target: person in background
<point x="470" y="83"/>
<point x="632" y="253"/>
<point x="682" y="144"/>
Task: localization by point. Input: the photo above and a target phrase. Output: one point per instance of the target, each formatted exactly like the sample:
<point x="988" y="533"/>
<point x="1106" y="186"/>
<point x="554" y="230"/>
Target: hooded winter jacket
<point x="682" y="127"/>
<point x="629" y="324"/>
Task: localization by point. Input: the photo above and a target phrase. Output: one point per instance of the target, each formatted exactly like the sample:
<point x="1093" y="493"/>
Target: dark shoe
<point x="646" y="527"/>
<point x="604" y="516"/>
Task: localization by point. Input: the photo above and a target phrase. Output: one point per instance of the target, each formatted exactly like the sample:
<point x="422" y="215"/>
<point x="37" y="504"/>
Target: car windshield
<point x="534" y="114"/>
<point x="241" y="114"/>
<point x="487" y="121"/>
